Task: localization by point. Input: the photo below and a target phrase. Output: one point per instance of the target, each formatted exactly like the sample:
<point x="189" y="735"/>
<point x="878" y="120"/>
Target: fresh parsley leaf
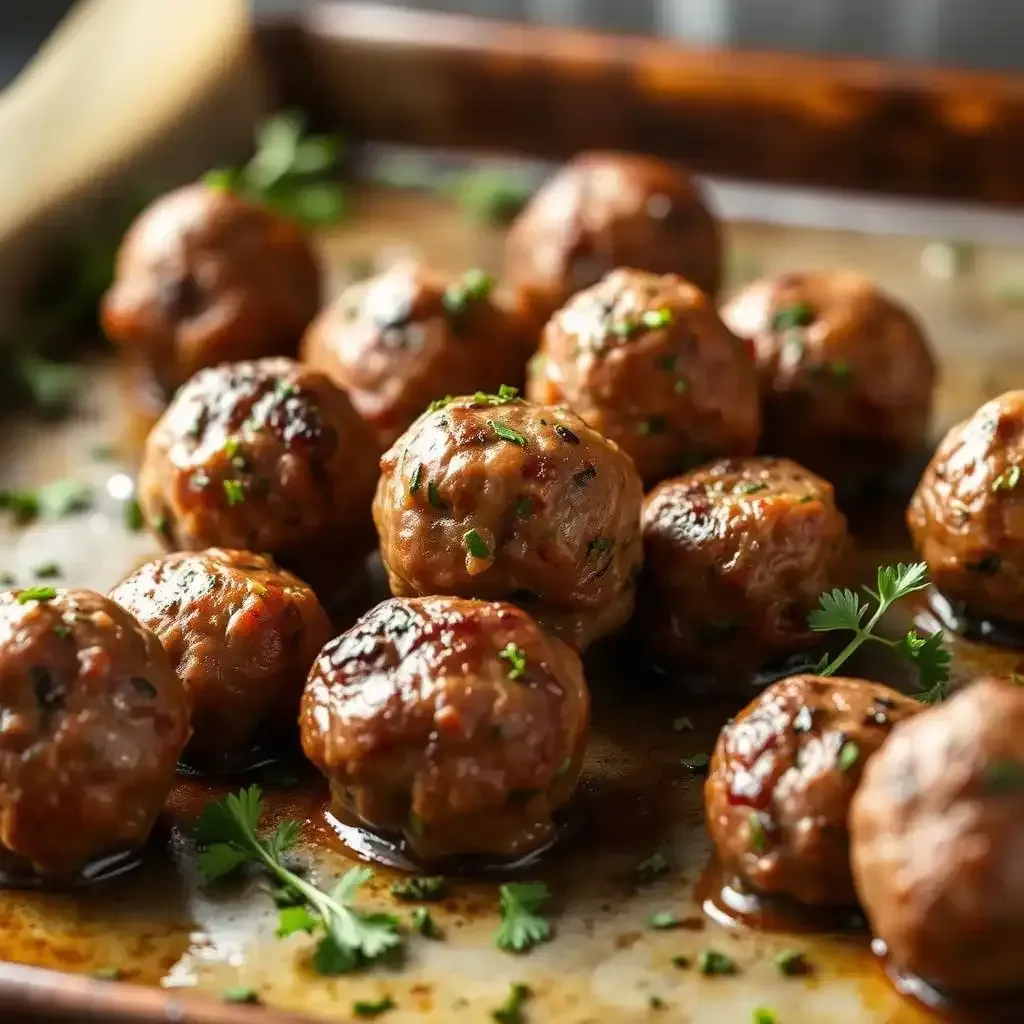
<point x="419" y="887"/>
<point x="489" y="196"/>
<point x="521" y="926"/>
<point x="36" y="594"/>
<point x="663" y="920"/>
<point x="516" y="658"/>
<point x="64" y="497"/>
<point x="710" y="961"/>
<point x="425" y="924"/>
<point x="510" y="1011"/>
<point x="931" y="657"/>
<point x="506" y="433"/>
<point x="840" y="609"/>
<point x="349" y="938"/>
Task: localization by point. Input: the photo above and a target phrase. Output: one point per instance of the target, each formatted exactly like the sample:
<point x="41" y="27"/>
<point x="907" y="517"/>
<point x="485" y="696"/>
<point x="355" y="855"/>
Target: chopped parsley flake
<point x="790" y="962"/>
<point x="231" y="446"/>
<point x="374" y="1007"/>
<point x="434" y="497"/>
<point x="841" y="370"/>
<point x="600" y="544"/>
<point x="510" y="1011"/>
<point x="668" y="362"/>
<point x="799" y="314"/>
<point x="425" y="924"/>
<point x="234" y="492"/>
<point x="419" y="887"/>
<point x="133" y="517"/>
<point x="652" y="425"/>
<point x="473" y="286"/>
<point x="475" y="544"/>
<point x="506" y="433"/>
<point x="655" y="318"/>
<point x="758" y="835"/>
<point x="516" y="658"/>
<point x="524" y="508"/>
<point x="750" y="487"/>
<point x="47" y="571"/>
<point x="505" y="394"/>
<point x="440" y="403"/>
<point x="36" y="594"/>
<point x="414" y="480"/>
<point x="242" y="994"/>
<point x="663" y="920"/>
<point x="681" y="386"/>
<point x="849" y="753"/>
<point x="710" y="961"/>
<point x="764" y="1016"/>
<point x="1007" y="480"/>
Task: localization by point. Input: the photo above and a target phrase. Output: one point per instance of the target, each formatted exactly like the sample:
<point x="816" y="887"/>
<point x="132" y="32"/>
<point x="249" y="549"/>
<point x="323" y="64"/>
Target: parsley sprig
<point x="349" y="938"/>
<point x="842" y="609"/>
<point x="521" y="926"/>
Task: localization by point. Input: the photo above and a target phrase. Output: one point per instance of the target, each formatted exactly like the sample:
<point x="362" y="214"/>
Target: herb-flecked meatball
<point x="92" y="720"/>
<point x="846" y="374"/>
<point x="608" y="210"/>
<point x="241" y="633"/>
<point x="736" y="556"/>
<point x="206" y="277"/>
<point x="263" y="456"/>
<point x="399" y="341"/>
<point x="937" y="830"/>
<point x="459" y="725"/>
<point x="967" y="514"/>
<point x="647" y="362"/>
<point x="782" y="777"/>
<point x="493" y="497"/>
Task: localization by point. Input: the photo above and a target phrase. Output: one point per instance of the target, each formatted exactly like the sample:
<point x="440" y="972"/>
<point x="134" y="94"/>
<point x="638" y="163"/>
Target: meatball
<point x="782" y="777"/>
<point x="846" y="374"/>
<point x="647" y="362"/>
<point x="967" y="515"/>
<point x="937" y="833"/>
<point x="240" y="632"/>
<point x="92" y="720"/>
<point x="263" y="456"/>
<point x="205" y="277"/>
<point x="457" y="724"/>
<point x="400" y="340"/>
<point x="493" y="497"/>
<point x="608" y="210"/>
<point x="736" y="555"/>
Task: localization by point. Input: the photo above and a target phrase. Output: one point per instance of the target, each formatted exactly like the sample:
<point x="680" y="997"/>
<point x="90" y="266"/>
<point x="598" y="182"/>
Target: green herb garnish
<point x="425" y="924"/>
<point x="849" y="754"/>
<point x="290" y="171"/>
<point x="758" y="835"/>
<point x="750" y="487"/>
<point x="440" y="403"/>
<point x="790" y="962"/>
<point x="64" y="497"/>
<point x="764" y="1016"/>
<point x="696" y="762"/>
<point x="655" y="318"/>
<point x="349" y="938"/>
<point x="473" y="286"/>
<point x="133" y="517"/>
<point x="844" y="610"/>
<point x="414" y="480"/>
<point x="505" y="394"/>
<point x="1002" y="777"/>
<point x="1007" y="480"/>
<point x="710" y="961"/>
<point x="234" y="492"/>
<point x="506" y="433"/>
<point x="521" y="926"/>
<point x="47" y="571"/>
<point x="600" y="544"/>
<point x="524" y="508"/>
<point x="510" y="1011"/>
<point x="516" y="658"/>
<point x="434" y="496"/>
<point x="663" y="920"/>
<point x="24" y="505"/>
<point x="799" y="314"/>
<point x="106" y="973"/>
<point x="373" y="1007"/>
<point x="36" y="594"/>
<point x="491" y="196"/>
<point x="475" y="544"/>
<point x="241" y="994"/>
<point x="419" y="887"/>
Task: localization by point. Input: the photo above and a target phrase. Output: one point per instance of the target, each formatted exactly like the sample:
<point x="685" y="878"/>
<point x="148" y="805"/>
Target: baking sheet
<point x="161" y="927"/>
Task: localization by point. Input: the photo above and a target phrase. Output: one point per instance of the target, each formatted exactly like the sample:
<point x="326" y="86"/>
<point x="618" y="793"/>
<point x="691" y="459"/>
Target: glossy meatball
<point x="782" y="777"/>
<point x="967" y="515"/>
<point x="92" y="720"/>
<point x="457" y="724"/>
<point x="937" y="831"/>
<point x="647" y="362"/>
<point x="241" y="634"/>
<point x="400" y="340"/>
<point x="205" y="277"/>
<point x="608" y="210"/>
<point x="846" y="373"/>
<point x="736" y="555"/>
<point x="494" y="497"/>
<point x="263" y="456"/>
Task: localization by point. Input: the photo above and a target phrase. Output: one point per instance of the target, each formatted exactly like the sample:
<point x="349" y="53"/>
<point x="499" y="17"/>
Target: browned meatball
<point x="846" y="373"/>
<point x="608" y="210"/>
<point x="782" y="777"/>
<point x="459" y="725"/>
<point x="241" y="633"/>
<point x="92" y="720"/>
<point x="937" y="830"/>
<point x="263" y="456"/>
<point x="400" y="340"/>
<point x="736" y="555"/>
<point x="493" y="497"/>
<point x="647" y="362"/>
<point x="205" y="277"/>
<point x="967" y="515"/>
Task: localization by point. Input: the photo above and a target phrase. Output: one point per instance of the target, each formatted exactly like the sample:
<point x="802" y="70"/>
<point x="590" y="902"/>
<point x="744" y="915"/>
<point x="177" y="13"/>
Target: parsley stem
<point x="863" y="633"/>
<point x="317" y="899"/>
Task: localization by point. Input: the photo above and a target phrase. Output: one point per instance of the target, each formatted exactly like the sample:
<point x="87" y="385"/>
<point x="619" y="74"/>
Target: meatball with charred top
<point x="490" y="496"/>
<point x="92" y="720"/>
<point x="647" y="362"/>
<point x="967" y="514"/>
<point x="457" y="724"/>
<point x="937" y="831"/>
<point x="782" y="777"/>
<point x="241" y="633"/>
<point x="608" y="210"/>
<point x="263" y="456"/>
<point x="206" y="277"/>
<point x="409" y="336"/>
<point x="846" y="374"/>
<point x="736" y="556"/>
